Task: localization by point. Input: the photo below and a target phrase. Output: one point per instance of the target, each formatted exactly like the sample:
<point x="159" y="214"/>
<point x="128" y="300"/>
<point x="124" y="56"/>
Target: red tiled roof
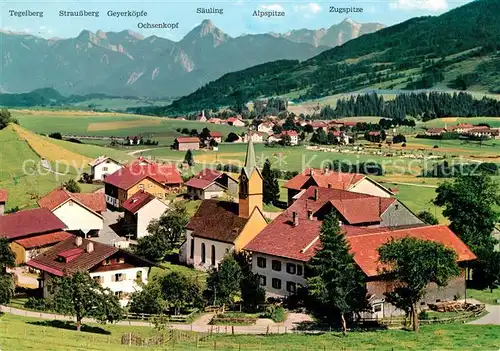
<point x="364" y="247"/>
<point x="217" y="220"/>
<point x="375" y="133"/>
<point x="93" y="201"/>
<point x="4" y="194"/>
<point x="43" y="239"/>
<point x="181" y="140"/>
<point x="216" y="134"/>
<point x="289" y="132"/>
<point x="24" y="223"/>
<point x="128" y="176"/>
<point x="281" y="238"/>
<point x="233" y="119"/>
<point x="48" y="261"/>
<point x="137" y="201"/>
<point x="436" y="130"/>
<point x="203" y="179"/>
<point x="322" y="178"/>
<point x="350" y="124"/>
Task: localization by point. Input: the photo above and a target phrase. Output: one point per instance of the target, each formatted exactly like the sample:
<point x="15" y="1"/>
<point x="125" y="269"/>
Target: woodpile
<point x="455" y="306"/>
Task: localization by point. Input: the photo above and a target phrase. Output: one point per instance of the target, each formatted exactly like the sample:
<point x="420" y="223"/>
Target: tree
<point x="337" y="286"/>
<point x="5" y="118"/>
<point x="213" y="143"/>
<point x="81" y="296"/>
<point x="224" y="282"/>
<point x="165" y="234"/>
<point x="231" y="137"/>
<point x="56" y="135"/>
<point x="193" y="132"/>
<point x="149" y="299"/>
<point x="252" y="293"/>
<point x="428" y="217"/>
<point x="308" y="129"/>
<point x="413" y="264"/>
<point x="7" y="260"/>
<point x="271" y="190"/>
<point x="286" y="140"/>
<point x="180" y="291"/>
<point x="188" y="158"/>
<point x="72" y="186"/>
<point x="470" y="203"/>
<point x="204" y="135"/>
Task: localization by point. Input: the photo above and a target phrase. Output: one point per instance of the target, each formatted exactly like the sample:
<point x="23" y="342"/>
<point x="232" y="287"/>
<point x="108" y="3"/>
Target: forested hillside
<point x="459" y="48"/>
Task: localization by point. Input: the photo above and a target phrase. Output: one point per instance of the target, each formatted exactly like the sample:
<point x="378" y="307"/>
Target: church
<point x="219" y="227"/>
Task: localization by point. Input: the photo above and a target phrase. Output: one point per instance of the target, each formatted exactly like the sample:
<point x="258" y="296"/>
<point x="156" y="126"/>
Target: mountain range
<point x="336" y="35"/>
<point x="128" y="64"/>
<point x="459" y="49"/>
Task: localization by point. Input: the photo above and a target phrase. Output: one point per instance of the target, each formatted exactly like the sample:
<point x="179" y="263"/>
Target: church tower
<point x="250" y="184"/>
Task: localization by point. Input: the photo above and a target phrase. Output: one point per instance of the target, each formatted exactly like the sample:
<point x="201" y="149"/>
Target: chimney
<point x="203" y="113"/>
<point x="78" y="241"/>
<point x="316" y="194"/>
<point x="310" y="214"/>
<point x="90" y="247"/>
<point x="295" y="218"/>
<point x="312" y="172"/>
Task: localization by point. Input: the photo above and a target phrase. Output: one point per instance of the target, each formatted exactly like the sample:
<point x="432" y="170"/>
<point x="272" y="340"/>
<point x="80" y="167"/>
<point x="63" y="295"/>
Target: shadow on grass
<point x="321" y="328"/>
<point x="70" y="326"/>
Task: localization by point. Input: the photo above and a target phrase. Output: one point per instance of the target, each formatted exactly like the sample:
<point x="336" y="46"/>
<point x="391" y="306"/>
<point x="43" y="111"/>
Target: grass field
<point x="22" y="333"/>
<point x="441" y="122"/>
<point x="83" y="123"/>
<point x="485" y="296"/>
<point x="21" y="171"/>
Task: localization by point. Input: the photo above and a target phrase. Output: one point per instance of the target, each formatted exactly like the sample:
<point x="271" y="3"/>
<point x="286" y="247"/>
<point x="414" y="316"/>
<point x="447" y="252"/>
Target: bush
<point x="276" y="313"/>
<point x="37" y="304"/>
<point x="423" y="315"/>
<point x="56" y="135"/>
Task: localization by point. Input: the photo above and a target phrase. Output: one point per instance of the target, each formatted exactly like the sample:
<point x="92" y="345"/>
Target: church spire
<point x="250" y="162"/>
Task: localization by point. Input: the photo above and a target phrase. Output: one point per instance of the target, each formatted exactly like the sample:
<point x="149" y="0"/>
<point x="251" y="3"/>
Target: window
<point x="120" y="260"/>
<point x="150" y="185"/>
<point x="261" y="262"/>
<point x="291" y="287"/>
<point x="118" y="277"/>
<point x="107" y="262"/>
<point x="70" y="203"/>
<point x="291" y="268"/>
<point x="299" y="269"/>
<point x="262" y="280"/>
<point x="119" y="294"/>
<point x="202" y="253"/>
<point x="104" y="169"/>
<point x="377" y="307"/>
<point x="99" y="279"/>
<point x="141" y="186"/>
<point x="276" y="265"/>
<point x="276" y="283"/>
<point x="191" y="255"/>
<point x="213" y="255"/>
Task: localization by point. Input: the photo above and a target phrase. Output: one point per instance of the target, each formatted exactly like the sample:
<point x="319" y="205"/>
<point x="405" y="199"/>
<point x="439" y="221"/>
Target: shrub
<point x="423" y="315"/>
<point x="56" y="135"/>
<point x="276" y="313"/>
<point x="37" y="304"/>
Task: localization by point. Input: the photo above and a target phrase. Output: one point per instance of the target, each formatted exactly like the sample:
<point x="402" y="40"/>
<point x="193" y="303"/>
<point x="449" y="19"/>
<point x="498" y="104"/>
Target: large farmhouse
<point x="281" y="251"/>
<point x="31" y="232"/>
<point x="81" y="212"/>
<point x="156" y="179"/>
<point x="219" y="227"/>
<point x="354" y="182"/>
<point x="116" y="269"/>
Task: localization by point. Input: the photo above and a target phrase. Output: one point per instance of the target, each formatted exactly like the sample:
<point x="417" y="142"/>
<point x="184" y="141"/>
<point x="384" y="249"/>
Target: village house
<point x="341" y="137"/>
<point x="266" y="127"/>
<point x="435" y="131"/>
<point x="119" y="270"/>
<point x="217" y="136"/>
<point x="157" y="179"/>
<point x="81" y="212"/>
<point x="319" y="124"/>
<point x="354" y="182"/>
<point x="219" y="227"/>
<point x="460" y="128"/>
<point x="102" y="166"/>
<point x="139" y="211"/>
<point x="281" y="251"/>
<point x="256" y="137"/>
<point x="4" y="194"/>
<point x="187" y="143"/>
<point x="480" y="132"/>
<point x="274" y="138"/>
<point x="235" y="122"/>
<point x="215" y="120"/>
<point x="209" y="184"/>
<point x="201" y="117"/>
<point x="31" y="232"/>
<point x="294" y="136"/>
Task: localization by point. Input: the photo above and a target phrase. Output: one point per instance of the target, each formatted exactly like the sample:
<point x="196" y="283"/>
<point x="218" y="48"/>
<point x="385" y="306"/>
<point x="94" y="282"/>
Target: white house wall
<point x="220" y="251"/>
<point x="104" y="169"/>
<point x="77" y="217"/>
<point x="367" y="187"/>
<point x="282" y="275"/>
<point x="152" y="210"/>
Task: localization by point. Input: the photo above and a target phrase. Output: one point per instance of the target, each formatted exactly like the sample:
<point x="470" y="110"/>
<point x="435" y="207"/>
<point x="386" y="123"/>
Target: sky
<point x="237" y="17"/>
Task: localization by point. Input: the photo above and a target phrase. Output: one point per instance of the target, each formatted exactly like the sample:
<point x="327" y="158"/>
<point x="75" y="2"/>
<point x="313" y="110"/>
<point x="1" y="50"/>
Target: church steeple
<point x="250" y="184"/>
